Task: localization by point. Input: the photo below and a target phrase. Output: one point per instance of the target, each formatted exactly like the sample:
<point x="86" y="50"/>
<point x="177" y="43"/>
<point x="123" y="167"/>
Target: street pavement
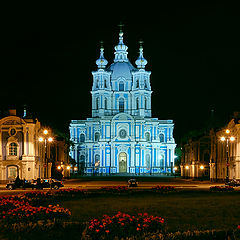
<point x="144" y="183"/>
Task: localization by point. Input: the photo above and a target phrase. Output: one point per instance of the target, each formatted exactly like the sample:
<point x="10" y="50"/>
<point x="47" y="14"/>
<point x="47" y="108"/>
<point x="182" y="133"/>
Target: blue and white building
<point x="121" y="136"/>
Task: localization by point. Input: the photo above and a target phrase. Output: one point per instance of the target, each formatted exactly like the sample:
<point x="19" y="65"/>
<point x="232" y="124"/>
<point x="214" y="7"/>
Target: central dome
<point x="121" y="69"/>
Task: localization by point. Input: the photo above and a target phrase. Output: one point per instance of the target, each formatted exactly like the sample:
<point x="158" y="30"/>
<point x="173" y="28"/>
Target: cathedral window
<point x="137" y="103"/>
<point x="121" y="86"/>
<point x="121" y="105"/>
<point x="13" y="149"/>
<point x="161" y="137"/>
<point x="137" y="83"/>
<point x="97" y="137"/>
<point x="97" y="161"/>
<point x="162" y="161"/>
<point x="145" y="83"/>
<point x="145" y="103"/>
<point x="105" y="103"/>
<point x="105" y="83"/>
<point x="97" y="103"/>
<point x="96" y="83"/>
<point x="82" y="138"/>
<point x="122" y="133"/>
<point x="148" y="165"/>
<point x="147" y="136"/>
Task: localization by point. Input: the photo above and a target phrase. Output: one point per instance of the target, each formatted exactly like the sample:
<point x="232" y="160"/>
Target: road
<point x="144" y="183"/>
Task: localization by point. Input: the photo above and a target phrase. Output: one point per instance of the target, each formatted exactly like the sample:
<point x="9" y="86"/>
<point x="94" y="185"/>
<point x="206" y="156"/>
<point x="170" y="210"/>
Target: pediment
<point x="123" y="116"/>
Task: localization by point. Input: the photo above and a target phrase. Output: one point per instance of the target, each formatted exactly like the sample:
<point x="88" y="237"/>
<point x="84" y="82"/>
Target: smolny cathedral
<point x="121" y="137"/>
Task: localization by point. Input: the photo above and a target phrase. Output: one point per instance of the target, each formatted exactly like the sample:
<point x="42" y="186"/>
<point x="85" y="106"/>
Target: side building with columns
<point x="19" y="148"/>
<point x="23" y="155"/>
<point x="121" y="136"/>
<point x="196" y="157"/>
<point x="225" y="152"/>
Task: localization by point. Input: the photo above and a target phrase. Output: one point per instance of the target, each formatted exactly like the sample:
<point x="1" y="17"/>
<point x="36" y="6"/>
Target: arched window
<point x="82" y="158"/>
<point x="82" y="138"/>
<point x="161" y="137"/>
<point x="97" y="137"/>
<point x="137" y="103"/>
<point x="145" y="103"/>
<point x="121" y="86"/>
<point x="148" y="165"/>
<point x="137" y="83"/>
<point x="105" y="103"/>
<point x="162" y="161"/>
<point x="145" y="84"/>
<point x="97" y="103"/>
<point x="97" y="161"/>
<point x="206" y="157"/>
<point x="105" y="83"/>
<point x="147" y="136"/>
<point x="13" y="149"/>
<point x="96" y="83"/>
<point x="121" y="105"/>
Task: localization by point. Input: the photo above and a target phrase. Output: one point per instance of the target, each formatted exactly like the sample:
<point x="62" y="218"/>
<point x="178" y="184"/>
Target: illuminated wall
<point x="122" y="136"/>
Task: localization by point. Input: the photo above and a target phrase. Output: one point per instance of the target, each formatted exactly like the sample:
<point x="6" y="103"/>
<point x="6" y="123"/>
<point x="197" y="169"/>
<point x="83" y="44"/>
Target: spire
<point x="141" y="62"/>
<point x="101" y="62"/>
<point x="121" y="48"/>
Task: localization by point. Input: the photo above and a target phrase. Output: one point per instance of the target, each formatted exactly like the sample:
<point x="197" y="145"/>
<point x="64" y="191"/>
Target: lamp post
<point x="45" y="138"/>
<point x="227" y="138"/>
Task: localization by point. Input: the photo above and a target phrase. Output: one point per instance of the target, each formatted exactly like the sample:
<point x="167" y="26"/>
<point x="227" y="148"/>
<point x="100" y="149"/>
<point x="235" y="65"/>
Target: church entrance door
<point x="122" y="159"/>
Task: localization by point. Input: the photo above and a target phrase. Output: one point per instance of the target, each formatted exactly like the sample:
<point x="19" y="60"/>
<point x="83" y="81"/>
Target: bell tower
<point x="101" y="88"/>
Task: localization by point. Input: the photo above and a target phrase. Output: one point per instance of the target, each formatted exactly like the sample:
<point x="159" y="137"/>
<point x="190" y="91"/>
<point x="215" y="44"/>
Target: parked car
<point x="132" y="183"/>
<point x="19" y="184"/>
<point x="47" y="183"/>
<point x="233" y="183"/>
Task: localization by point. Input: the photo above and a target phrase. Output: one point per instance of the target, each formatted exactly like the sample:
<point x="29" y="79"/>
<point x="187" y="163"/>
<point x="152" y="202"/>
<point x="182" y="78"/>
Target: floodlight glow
<point x="222" y="139"/>
<point x="45" y="131"/>
<point x="40" y="139"/>
<point x="232" y="139"/>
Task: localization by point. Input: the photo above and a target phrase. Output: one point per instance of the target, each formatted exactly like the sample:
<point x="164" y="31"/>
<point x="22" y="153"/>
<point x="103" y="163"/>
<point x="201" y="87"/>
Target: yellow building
<point x="225" y="151"/>
<point x="26" y="149"/>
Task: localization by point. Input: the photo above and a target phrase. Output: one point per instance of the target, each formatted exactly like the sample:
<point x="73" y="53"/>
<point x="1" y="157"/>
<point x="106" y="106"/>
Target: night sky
<point x="193" y="53"/>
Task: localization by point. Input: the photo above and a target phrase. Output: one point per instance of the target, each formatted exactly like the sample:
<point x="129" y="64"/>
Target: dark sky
<point x="193" y="53"/>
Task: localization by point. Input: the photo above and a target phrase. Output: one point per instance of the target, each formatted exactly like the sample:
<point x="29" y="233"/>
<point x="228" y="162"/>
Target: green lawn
<point x="181" y="210"/>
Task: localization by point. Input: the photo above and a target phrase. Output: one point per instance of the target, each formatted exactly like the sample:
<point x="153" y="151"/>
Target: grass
<point x="186" y="210"/>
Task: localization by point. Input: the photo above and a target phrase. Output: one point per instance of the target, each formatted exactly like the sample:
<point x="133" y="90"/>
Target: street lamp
<point x="201" y="169"/>
<point x="227" y="138"/>
<point x="45" y="138"/>
<point x="187" y="168"/>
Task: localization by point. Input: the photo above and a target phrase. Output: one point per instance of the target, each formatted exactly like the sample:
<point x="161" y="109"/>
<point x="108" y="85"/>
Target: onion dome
<point x="121" y="50"/>
<point x="101" y="62"/>
<point x="141" y="62"/>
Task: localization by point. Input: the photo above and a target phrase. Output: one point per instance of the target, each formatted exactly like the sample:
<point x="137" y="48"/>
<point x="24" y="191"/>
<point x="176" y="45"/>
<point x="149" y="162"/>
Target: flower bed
<point x="163" y="189"/>
<point x="13" y="210"/>
<point x="123" y="225"/>
<point x="115" y="189"/>
<point x="221" y="189"/>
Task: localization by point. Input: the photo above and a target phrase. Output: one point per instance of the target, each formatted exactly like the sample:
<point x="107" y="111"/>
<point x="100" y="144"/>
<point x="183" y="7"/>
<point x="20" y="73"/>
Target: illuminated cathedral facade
<point x="121" y="137"/>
